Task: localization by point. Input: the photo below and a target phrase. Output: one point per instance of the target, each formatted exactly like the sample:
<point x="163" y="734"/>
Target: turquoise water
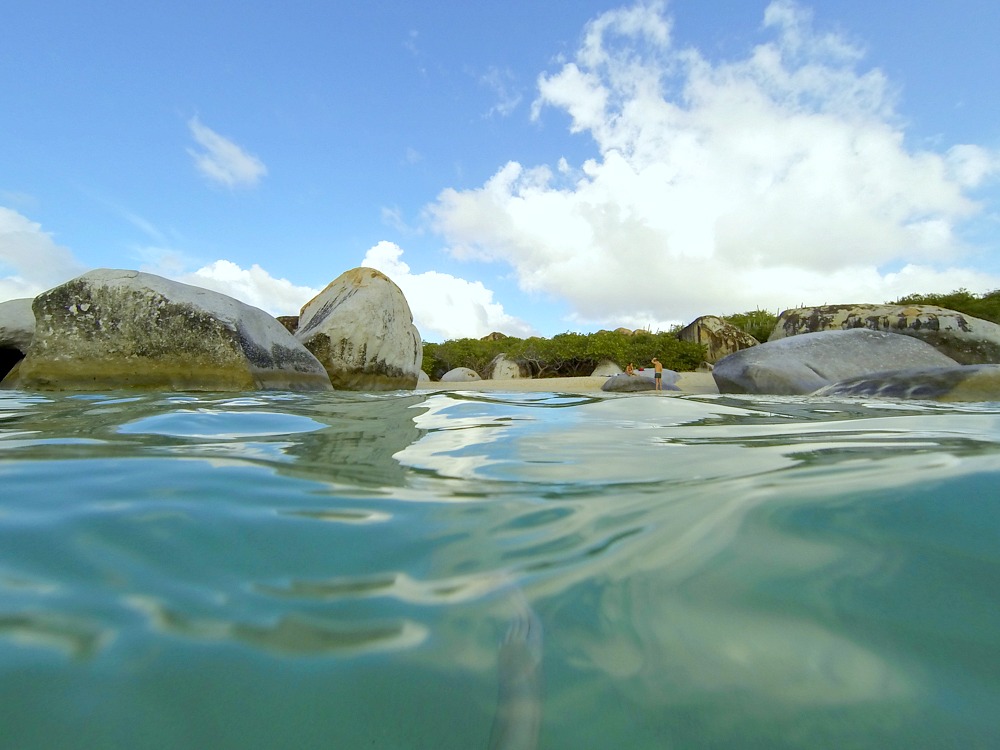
<point x="339" y="570"/>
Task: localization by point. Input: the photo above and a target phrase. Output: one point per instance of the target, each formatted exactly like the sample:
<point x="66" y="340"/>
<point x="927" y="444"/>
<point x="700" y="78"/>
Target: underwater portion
<point x="471" y="570"/>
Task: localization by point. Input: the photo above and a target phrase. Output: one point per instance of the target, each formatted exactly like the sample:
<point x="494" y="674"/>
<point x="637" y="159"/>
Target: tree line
<point x="578" y="354"/>
<point x="564" y="355"/>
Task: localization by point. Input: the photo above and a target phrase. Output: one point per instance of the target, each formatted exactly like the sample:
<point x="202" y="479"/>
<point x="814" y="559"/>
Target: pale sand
<point x="689" y="382"/>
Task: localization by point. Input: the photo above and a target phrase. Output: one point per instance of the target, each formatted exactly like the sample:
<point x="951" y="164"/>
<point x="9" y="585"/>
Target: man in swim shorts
<point x="658" y="374"/>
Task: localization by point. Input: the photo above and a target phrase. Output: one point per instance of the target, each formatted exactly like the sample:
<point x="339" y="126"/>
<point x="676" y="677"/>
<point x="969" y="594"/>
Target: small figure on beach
<point x="658" y="373"/>
<point x="630" y="370"/>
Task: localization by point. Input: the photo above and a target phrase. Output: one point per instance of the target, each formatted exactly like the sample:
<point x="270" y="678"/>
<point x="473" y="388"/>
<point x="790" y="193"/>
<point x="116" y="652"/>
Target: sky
<point x="520" y="166"/>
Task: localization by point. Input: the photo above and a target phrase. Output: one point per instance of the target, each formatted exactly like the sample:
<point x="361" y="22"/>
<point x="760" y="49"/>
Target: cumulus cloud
<point x="30" y="260"/>
<point x="780" y="178"/>
<point x="443" y="306"/>
<point x="255" y="286"/>
<point x="221" y="160"/>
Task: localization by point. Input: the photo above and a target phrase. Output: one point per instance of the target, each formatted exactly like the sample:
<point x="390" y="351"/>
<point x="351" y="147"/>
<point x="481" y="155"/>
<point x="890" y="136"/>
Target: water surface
<point x="340" y="570"/>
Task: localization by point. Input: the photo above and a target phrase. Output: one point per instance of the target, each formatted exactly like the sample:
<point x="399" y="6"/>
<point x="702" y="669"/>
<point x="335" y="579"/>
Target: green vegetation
<point x="985" y="306"/>
<point x="758" y="323"/>
<point x="566" y="354"/>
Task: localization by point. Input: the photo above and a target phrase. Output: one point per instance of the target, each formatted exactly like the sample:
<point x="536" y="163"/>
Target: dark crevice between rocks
<point x="8" y="358"/>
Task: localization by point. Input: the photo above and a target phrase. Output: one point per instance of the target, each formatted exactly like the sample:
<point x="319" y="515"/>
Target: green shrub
<point x="758" y="323"/>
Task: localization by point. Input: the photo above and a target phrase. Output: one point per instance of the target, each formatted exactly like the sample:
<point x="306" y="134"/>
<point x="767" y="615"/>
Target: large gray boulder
<point x="955" y="383"/>
<point x="111" y="329"/>
<point x="17" y="328"/>
<point x="361" y="329"/>
<point x="624" y="383"/>
<point x="805" y="363"/>
<point x="719" y="338"/>
<point x="965" y="339"/>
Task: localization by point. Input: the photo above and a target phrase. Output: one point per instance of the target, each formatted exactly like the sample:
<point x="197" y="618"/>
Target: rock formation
<point x="361" y="329"/>
<point x="111" y="329"/>
<point x="802" y="364"/>
<point x="460" y="375"/>
<point x="719" y="338"/>
<point x="502" y="368"/>
<point x="965" y="339"/>
<point x="955" y="383"/>
<point x="606" y="369"/>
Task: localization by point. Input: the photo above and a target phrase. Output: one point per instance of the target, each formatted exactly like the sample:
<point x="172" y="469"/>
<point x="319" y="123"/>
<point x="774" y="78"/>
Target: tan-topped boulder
<point x="361" y="329"/>
<point x="113" y="329"/>
<point x="719" y="338"/>
<point x="965" y="339"/>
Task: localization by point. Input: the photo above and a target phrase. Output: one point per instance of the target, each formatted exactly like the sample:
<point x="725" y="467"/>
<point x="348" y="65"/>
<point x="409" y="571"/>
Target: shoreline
<point x="688" y="382"/>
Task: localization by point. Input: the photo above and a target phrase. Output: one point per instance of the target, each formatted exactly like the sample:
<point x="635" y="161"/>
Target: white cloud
<point x="443" y="306"/>
<point x="30" y="260"/>
<point x="773" y="180"/>
<point x="255" y="286"/>
<point x="221" y="160"/>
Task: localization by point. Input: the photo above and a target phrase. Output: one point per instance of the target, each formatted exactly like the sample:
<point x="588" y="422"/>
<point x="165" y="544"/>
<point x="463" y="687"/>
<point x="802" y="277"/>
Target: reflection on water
<point x="363" y="570"/>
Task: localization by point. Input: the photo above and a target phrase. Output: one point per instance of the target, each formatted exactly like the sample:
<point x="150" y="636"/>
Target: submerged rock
<point x="957" y="383"/>
<point x="17" y="329"/>
<point x="802" y="364"/>
<point x="361" y="329"/>
<point x="961" y="337"/>
<point x="111" y="329"/>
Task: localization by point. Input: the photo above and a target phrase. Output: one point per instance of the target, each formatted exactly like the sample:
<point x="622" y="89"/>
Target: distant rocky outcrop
<point x="290" y="322"/>
<point x="112" y="329"/>
<point x="719" y="338"/>
<point x="495" y="336"/>
<point x="17" y="328"/>
<point x="361" y="329"/>
<point x="965" y="339"/>
<point x="802" y="364"/>
<point x="502" y="368"/>
<point x="955" y="383"/>
<point x="460" y="375"/>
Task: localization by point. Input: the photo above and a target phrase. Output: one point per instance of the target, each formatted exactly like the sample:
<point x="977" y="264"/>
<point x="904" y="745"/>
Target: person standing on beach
<point x="658" y="374"/>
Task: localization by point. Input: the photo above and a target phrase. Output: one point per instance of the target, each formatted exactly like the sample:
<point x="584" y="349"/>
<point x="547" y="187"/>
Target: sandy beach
<point x="689" y="382"/>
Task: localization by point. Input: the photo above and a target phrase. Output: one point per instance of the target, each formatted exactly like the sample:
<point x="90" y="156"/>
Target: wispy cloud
<point x="221" y="160"/>
<point x="507" y="94"/>
<point x="779" y="178"/>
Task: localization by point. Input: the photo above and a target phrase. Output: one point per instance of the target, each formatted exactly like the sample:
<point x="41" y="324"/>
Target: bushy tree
<point x="758" y="323"/>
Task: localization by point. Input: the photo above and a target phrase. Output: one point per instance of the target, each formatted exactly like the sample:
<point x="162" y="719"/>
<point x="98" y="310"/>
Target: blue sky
<point x="528" y="167"/>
